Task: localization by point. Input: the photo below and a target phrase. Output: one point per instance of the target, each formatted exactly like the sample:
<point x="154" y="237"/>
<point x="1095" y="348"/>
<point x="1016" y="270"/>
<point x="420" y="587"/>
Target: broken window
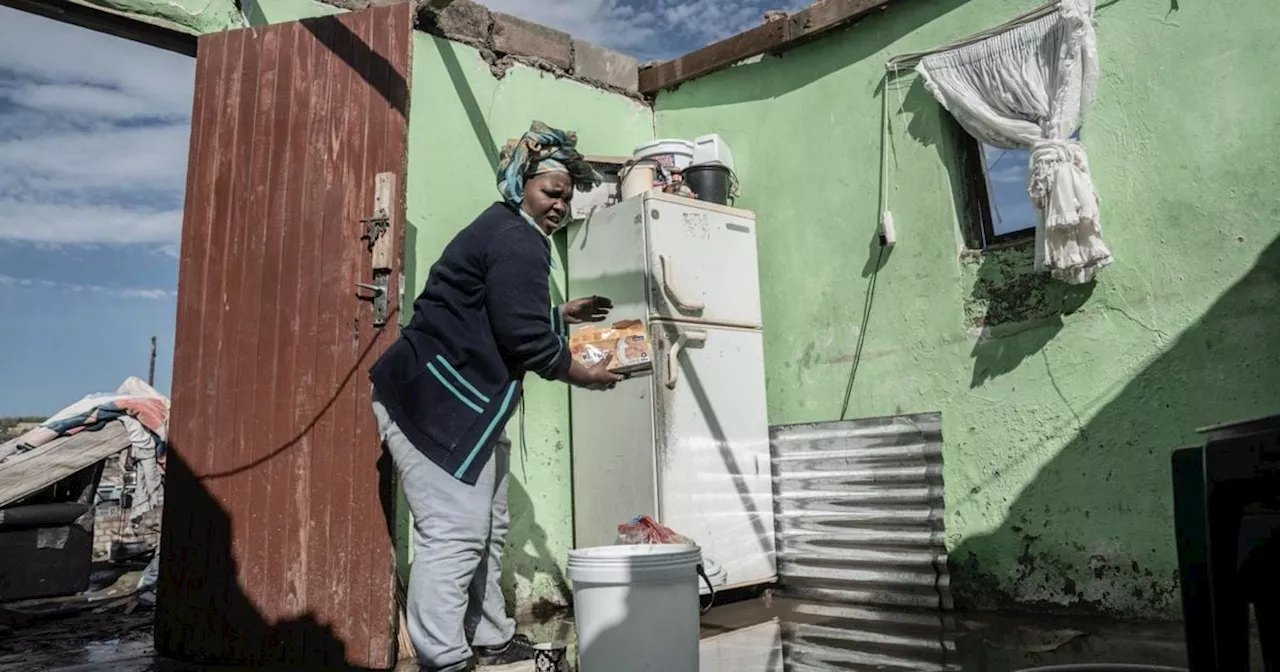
<point x="992" y="181"/>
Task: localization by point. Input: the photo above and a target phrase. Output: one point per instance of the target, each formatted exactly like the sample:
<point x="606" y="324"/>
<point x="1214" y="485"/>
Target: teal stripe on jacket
<point x="449" y="386"/>
<point x="465" y="383"/>
<point x="484" y="438"/>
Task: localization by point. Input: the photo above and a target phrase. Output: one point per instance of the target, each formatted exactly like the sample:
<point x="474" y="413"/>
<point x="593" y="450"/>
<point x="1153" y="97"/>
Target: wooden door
<point x="275" y="548"/>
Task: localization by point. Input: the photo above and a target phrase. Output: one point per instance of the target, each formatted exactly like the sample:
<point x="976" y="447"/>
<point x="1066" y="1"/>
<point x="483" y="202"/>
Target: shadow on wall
<point x="518" y="561"/>
<point x="449" y="56"/>
<point x="214" y="622"/>
<point x="1106" y="498"/>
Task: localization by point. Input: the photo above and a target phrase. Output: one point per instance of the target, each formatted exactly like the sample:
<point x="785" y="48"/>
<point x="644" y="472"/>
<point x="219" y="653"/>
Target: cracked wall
<point x="1061" y="404"/>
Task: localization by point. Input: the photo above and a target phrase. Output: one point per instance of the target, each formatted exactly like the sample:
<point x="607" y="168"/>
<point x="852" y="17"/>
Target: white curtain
<point x="1029" y="87"/>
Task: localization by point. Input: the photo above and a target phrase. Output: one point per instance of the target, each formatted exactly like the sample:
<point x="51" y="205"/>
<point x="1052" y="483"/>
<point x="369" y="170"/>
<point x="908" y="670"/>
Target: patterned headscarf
<point x="542" y="150"/>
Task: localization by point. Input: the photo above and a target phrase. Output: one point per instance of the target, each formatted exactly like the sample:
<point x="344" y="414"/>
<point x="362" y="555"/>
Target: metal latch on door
<point x="379" y="234"/>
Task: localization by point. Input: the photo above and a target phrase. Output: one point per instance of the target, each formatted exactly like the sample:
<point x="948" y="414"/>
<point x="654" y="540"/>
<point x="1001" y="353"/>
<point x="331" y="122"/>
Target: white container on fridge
<point x="711" y="149"/>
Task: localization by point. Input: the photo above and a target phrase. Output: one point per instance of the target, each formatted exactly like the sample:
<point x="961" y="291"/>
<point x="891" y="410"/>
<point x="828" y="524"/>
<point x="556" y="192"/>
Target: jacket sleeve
<point x="528" y="329"/>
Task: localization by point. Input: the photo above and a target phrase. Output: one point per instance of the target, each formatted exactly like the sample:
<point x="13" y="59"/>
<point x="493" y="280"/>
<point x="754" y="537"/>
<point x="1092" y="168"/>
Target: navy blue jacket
<point x="483" y="319"/>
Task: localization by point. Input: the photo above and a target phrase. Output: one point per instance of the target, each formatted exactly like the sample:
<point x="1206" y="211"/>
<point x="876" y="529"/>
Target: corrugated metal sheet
<point x="859" y="511"/>
<point x="274" y="546"/>
<point x="860" y="526"/>
<point x="819" y="637"/>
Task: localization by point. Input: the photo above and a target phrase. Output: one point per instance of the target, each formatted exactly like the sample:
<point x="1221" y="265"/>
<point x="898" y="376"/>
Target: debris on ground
<point x="57" y="632"/>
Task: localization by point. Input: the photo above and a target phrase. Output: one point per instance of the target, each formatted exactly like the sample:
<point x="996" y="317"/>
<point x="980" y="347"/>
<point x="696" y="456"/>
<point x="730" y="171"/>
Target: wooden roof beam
<point x="770" y="37"/>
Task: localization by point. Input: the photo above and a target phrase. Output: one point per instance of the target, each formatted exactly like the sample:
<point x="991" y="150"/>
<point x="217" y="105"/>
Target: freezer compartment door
<point x="714" y="480"/>
<point x="702" y="263"/>
<point x="606" y="258"/>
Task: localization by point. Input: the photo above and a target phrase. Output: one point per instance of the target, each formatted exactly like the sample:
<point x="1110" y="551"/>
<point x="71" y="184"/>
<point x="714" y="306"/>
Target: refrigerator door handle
<point x="687" y="336"/>
<point x="685" y="305"/>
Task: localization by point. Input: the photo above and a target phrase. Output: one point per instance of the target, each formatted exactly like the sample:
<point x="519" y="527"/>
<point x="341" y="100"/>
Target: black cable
<point x="862" y="332"/>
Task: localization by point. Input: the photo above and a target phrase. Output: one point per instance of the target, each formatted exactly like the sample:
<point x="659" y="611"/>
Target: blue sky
<point x="93" y="145"/>
<point x="1007" y="175"/>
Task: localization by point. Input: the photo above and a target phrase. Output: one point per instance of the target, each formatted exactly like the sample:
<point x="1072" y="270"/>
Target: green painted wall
<point x="262" y="12"/>
<point x="191" y="16"/>
<point x="460" y="116"/>
<point x="1059" y="421"/>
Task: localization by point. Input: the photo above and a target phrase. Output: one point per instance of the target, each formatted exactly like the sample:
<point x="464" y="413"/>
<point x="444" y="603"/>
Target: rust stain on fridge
<point x="275" y="547"/>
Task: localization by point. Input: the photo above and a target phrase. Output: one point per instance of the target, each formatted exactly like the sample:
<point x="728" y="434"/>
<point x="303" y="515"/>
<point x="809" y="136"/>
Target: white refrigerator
<point x="689" y="444"/>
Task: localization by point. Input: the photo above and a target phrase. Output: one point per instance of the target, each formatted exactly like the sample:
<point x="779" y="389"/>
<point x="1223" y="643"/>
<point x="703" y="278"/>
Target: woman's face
<point x="547" y="198"/>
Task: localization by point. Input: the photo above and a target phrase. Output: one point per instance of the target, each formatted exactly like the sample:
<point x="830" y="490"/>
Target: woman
<point x="444" y="390"/>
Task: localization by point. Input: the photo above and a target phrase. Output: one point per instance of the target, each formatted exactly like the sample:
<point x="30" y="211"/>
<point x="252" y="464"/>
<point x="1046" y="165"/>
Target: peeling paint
<point x="1006" y="290"/>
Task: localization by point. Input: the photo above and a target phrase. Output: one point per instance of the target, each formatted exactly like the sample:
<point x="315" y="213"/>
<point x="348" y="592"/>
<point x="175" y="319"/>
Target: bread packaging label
<point x="627" y="340"/>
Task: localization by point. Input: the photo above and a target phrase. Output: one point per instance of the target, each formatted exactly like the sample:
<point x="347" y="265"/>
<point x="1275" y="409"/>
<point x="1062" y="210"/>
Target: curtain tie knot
<point x="1049" y="158"/>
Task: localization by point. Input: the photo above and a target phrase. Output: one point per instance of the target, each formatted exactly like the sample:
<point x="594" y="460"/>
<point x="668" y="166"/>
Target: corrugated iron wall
<point x="860" y="526"/>
<point x="275" y="548"/>
<point x="818" y="637"/>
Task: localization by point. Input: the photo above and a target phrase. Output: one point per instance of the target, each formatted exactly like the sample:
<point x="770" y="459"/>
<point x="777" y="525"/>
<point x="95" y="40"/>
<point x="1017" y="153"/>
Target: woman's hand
<point x="596" y="377"/>
<point x="589" y="309"/>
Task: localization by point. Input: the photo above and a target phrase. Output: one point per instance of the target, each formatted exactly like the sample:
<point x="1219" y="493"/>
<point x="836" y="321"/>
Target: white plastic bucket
<point x="712" y="149"/>
<point x="636" y="607"/>
<point x="671" y="153"/>
<point x="639" y="179"/>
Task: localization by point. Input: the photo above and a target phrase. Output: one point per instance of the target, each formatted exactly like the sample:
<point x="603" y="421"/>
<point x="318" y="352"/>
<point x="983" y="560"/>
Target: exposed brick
<point x="605" y="66"/>
<point x="462" y="21"/>
<point x="512" y="35"/>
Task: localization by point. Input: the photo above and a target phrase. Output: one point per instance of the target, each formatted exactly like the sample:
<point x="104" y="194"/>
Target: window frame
<point x="975" y="201"/>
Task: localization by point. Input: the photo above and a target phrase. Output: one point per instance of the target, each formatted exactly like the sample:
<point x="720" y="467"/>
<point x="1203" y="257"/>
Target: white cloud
<point x="114" y="292"/>
<point x="94" y="133"/>
<point x="78" y="100"/>
<point x="1010" y="173"/>
<point x="146" y="158"/>
<point x="50" y="52"/>
<point x="69" y="223"/>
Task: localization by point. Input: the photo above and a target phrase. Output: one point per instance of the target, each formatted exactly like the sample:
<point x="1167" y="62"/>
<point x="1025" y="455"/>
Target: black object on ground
<point x="46" y="539"/>
<point x="1227" y="519"/>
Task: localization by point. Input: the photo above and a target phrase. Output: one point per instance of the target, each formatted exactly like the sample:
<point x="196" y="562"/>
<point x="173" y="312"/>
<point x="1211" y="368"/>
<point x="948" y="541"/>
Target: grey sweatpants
<point x="458" y="535"/>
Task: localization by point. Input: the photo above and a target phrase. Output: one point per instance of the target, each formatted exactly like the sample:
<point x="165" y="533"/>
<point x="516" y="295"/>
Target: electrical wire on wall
<point x="886" y="237"/>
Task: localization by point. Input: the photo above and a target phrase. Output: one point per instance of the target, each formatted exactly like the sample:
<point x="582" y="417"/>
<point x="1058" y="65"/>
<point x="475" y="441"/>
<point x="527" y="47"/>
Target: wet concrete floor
<point x="758" y="635"/>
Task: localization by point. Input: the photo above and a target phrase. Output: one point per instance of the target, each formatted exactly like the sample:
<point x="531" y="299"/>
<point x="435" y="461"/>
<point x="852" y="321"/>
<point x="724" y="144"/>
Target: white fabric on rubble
<point x="144" y="440"/>
<point x="1029" y="88"/>
<point x="149" y="492"/>
<point x="150" y="484"/>
<point x="147" y="581"/>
